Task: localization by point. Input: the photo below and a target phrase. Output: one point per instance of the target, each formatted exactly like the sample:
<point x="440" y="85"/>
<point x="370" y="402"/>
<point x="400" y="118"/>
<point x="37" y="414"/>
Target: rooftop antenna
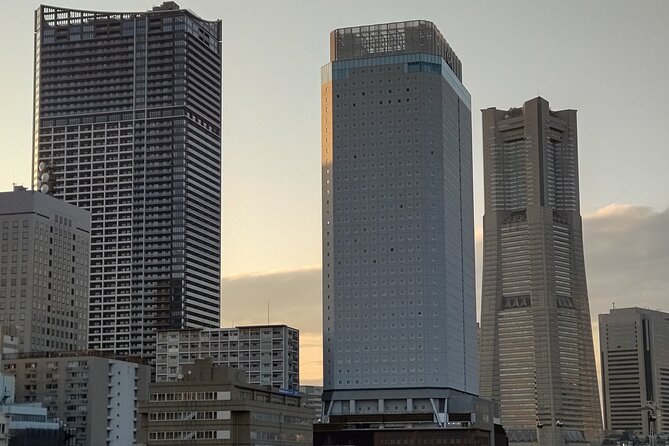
<point x="267" y="311"/>
<point x="614" y="305"/>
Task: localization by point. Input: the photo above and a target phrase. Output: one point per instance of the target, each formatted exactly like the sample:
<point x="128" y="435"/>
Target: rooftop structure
<point x="390" y="39"/>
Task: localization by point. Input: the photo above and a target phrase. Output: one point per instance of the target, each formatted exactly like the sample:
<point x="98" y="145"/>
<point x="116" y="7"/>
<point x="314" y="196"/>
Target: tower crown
<point x="390" y="39"/>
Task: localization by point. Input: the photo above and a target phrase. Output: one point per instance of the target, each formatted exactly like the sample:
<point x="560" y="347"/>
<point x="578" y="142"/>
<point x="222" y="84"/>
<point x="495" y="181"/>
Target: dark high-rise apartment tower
<point x="399" y="311"/>
<point x="127" y="124"/>
<point x="537" y="355"/>
<point x="634" y="346"/>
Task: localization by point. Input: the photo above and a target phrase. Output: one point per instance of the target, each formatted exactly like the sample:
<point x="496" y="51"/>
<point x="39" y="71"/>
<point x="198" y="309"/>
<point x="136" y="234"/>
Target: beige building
<point x="634" y="344"/>
<point x="537" y="356"/>
<point x="214" y="405"/>
<point x="96" y="396"/>
<point x="44" y="255"/>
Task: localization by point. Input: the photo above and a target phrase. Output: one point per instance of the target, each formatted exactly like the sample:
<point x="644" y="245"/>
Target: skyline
<point x="619" y="58"/>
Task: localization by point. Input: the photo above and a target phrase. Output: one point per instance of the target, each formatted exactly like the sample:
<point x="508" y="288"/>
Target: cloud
<point x="294" y="298"/>
<point x="626" y="253"/>
<point x="627" y="257"/>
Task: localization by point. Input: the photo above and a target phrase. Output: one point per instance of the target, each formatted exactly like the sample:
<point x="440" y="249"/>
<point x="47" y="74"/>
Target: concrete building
<point x="634" y="346"/>
<point x="467" y="420"/>
<point x="7" y="390"/>
<point x="27" y="423"/>
<point x="95" y="395"/>
<point x="128" y="126"/>
<point x="399" y="311"/>
<point x="268" y="353"/>
<point x="213" y="405"/>
<point x="9" y="340"/>
<point x="537" y="355"/>
<point x="44" y="260"/>
<point x="313" y="399"/>
<point x="4" y="430"/>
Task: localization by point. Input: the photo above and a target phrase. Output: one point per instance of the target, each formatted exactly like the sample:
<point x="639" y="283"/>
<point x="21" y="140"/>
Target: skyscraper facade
<point x="537" y="355"/>
<point x="127" y="124"/>
<point x="44" y="249"/>
<point x="634" y="345"/>
<point x="399" y="322"/>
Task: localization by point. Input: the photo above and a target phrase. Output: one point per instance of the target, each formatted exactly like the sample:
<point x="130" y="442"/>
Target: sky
<point x="606" y="59"/>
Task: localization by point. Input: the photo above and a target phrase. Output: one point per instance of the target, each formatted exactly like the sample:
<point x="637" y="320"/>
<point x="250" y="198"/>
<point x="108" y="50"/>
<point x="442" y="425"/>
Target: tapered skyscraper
<point x="537" y="356"/>
<point x="399" y="312"/>
<point x="127" y="124"/>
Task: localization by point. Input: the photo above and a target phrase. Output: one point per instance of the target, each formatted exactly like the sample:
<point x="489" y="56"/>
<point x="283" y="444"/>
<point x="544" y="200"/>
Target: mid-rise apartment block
<point x="96" y="396"/>
<point x="214" y="405"/>
<point x="634" y="346"/>
<point x="127" y="125"/>
<point x="399" y="311"/>
<point x="537" y="358"/>
<point x="44" y="265"/>
<point x="269" y="354"/>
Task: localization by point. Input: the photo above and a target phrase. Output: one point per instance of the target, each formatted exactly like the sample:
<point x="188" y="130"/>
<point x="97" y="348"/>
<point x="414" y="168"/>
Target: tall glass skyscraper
<point x="399" y="312"/>
<point x="127" y="125"/>
<point x="537" y="356"/>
